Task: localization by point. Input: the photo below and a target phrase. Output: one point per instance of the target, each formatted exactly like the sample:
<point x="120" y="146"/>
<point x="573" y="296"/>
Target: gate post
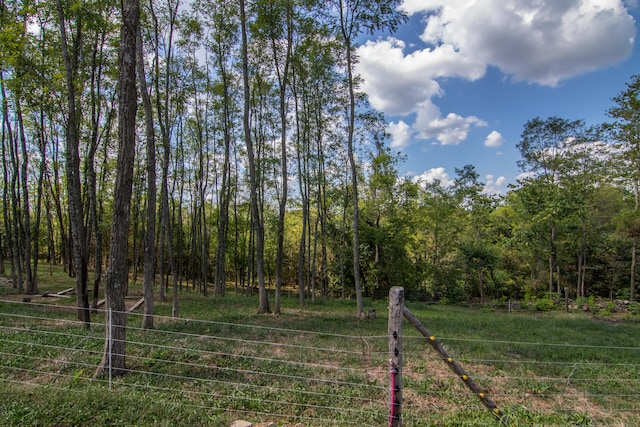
<point x="396" y="314"/>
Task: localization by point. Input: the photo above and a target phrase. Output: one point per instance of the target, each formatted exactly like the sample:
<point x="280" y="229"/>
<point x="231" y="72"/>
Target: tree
<point x="165" y="117"/>
<point x="320" y="152"/>
<point x="256" y="215"/>
<point x="385" y="225"/>
<point x="436" y="238"/>
<point x="118" y="271"/>
<point x="475" y="207"/>
<point x="72" y="158"/>
<point x="626" y="129"/>
<point x="221" y="43"/>
<point x="587" y="173"/>
<point x="545" y="149"/>
<point x="356" y="17"/>
<point x="275" y="20"/>
<point x="150" y="236"/>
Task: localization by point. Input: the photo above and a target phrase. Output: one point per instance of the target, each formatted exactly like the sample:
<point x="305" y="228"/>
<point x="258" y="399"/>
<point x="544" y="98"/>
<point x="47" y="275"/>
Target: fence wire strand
<point x="244" y="365"/>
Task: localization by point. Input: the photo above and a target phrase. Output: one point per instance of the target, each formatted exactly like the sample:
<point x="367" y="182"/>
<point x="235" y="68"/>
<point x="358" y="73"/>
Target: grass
<point x="318" y="365"/>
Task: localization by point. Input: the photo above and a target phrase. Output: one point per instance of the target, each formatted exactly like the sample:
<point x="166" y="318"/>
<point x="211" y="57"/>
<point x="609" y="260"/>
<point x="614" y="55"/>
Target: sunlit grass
<point x="541" y="369"/>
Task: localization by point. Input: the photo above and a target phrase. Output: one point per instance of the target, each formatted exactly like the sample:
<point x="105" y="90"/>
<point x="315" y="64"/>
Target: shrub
<point x="611" y="307"/>
<point x="545" y="304"/>
<point x="634" y="308"/>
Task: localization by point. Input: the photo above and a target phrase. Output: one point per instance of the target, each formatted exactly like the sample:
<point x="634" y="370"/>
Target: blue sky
<point x="459" y="80"/>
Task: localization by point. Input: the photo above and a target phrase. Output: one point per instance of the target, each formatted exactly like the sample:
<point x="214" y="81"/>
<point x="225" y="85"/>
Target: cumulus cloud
<point x="538" y="41"/>
<point x="449" y="130"/>
<point x="525" y="175"/>
<point x="494" y="139"/>
<point x="400" y="84"/>
<point x="495" y="185"/>
<point x="397" y="82"/>
<point x="543" y="41"/>
<point x="434" y="175"/>
<point x="400" y="134"/>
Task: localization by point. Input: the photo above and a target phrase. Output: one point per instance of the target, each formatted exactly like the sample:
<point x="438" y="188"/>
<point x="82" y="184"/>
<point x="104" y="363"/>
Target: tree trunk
<point x="54" y="189"/>
<point x="634" y="255"/>
<point x="163" y="122"/>
<point x="634" y="251"/>
<point x="117" y="273"/>
<point x="8" y="192"/>
<point x="93" y="226"/>
<point x="176" y="271"/>
<point x="220" y="282"/>
<point x="150" y="235"/>
<point x="351" y="117"/>
<point x="283" y="81"/>
<point x="26" y="221"/>
<point x="322" y="205"/>
<point x="258" y="226"/>
<point x="551" y="258"/>
<point x="72" y="168"/>
<point x="38" y="214"/>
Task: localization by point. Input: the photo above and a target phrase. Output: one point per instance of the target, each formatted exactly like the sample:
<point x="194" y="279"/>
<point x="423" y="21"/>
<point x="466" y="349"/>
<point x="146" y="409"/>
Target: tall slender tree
<point x="165" y="122"/>
<point x="222" y="42"/>
<point x="626" y="129"/>
<point x="254" y="172"/>
<point x="357" y="17"/>
<point x="275" y="24"/>
<point x="117" y="272"/>
<point x="150" y="236"/>
<point x="72" y="156"/>
<point x="545" y="149"/>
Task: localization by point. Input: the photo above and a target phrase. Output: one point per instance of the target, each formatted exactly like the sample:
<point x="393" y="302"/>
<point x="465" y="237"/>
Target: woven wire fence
<point x="255" y="372"/>
<point x="316" y="378"/>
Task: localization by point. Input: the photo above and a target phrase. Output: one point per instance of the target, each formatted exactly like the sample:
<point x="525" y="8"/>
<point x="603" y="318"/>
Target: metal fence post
<point x="396" y="314"/>
<point x="109" y="344"/>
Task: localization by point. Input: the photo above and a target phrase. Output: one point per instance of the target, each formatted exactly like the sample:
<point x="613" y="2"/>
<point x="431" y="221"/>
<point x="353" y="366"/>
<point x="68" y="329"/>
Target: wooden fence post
<point x="396" y="314"/>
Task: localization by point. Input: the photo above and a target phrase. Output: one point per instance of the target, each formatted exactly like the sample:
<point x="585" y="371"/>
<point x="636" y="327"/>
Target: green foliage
<point x="545" y="304"/>
<point x="628" y="221"/>
<point x="573" y="216"/>
<point x="634" y="308"/>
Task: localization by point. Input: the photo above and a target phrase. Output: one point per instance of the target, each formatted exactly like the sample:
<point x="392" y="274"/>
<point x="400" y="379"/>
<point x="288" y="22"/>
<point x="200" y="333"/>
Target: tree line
<point x="243" y="155"/>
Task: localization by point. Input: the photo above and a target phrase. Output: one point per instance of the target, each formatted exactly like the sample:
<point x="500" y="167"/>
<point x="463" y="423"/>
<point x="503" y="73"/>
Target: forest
<point x="257" y="165"/>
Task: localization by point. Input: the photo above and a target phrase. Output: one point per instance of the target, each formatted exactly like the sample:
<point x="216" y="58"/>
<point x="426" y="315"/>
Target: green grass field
<point x="318" y="365"/>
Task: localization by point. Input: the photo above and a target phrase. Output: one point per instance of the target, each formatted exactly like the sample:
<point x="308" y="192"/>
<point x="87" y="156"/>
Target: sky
<point x="458" y="81"/>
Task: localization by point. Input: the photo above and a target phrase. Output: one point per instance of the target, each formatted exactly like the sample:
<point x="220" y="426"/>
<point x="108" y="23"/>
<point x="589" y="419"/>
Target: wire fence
<point x="318" y="378"/>
<point x="250" y="370"/>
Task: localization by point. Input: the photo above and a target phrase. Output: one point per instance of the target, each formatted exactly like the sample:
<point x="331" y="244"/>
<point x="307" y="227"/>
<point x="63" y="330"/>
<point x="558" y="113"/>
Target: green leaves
<point x="12" y="43"/>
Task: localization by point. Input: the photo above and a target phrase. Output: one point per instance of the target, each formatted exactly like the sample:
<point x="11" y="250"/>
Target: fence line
<point x="537" y="344"/>
<point x="528" y="390"/>
<point x="256" y="370"/>
<point x="43" y="348"/>
<point x="170" y="319"/>
<point x="191" y="405"/>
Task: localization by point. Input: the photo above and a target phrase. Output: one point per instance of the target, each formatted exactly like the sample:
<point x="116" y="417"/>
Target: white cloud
<point x="400" y="84"/>
<point x="494" y="139"/>
<point x="449" y="130"/>
<point x="542" y="41"/>
<point x="539" y="41"/>
<point x="525" y="175"/>
<point x="400" y="134"/>
<point x="434" y="175"/>
<point x="396" y="82"/>
<point x="495" y="185"/>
